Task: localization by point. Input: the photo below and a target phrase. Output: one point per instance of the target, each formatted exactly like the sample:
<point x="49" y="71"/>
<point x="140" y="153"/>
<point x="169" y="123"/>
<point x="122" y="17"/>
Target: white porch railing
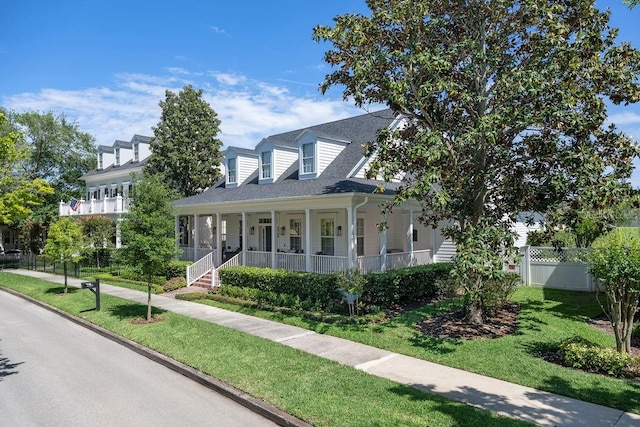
<point x="293" y="262"/>
<point x="234" y="261"/>
<point x="108" y="205"/>
<point x="326" y="264"/>
<point x="422" y="257"/>
<point x="199" y="268"/>
<point x="194" y="254"/>
<point x="258" y="259"/>
<point x="372" y="263"/>
<point x="369" y="263"/>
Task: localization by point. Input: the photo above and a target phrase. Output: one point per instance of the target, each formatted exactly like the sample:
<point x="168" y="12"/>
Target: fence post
<point x="526" y="265"/>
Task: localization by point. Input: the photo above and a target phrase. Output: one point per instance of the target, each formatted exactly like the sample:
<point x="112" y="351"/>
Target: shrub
<point x="581" y="354"/>
<point x="320" y="290"/>
<point x="389" y="288"/>
<point x="497" y="292"/>
<point x="174" y="283"/>
<point x="176" y="269"/>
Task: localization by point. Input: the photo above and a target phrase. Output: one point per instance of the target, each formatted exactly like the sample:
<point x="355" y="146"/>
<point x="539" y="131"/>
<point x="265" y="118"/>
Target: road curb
<point x="252" y="403"/>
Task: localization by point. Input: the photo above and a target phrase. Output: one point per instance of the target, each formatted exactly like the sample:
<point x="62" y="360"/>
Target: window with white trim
<point x="360" y="236"/>
<point x="117" y="157"/>
<point x="265" y="161"/>
<point x="308" y="158"/>
<point x="100" y="161"/>
<point x="295" y="235"/>
<point x="136" y="153"/>
<point x="327" y="236"/>
<point x="231" y="168"/>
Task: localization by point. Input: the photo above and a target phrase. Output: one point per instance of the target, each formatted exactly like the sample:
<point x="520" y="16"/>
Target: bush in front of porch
<point x="386" y="289"/>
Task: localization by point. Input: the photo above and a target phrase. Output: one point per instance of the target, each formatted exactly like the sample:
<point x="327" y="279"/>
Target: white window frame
<point x="295" y="234"/>
<point x="100" y="160"/>
<point x="136" y="153"/>
<point x="266" y="167"/>
<point x="327" y="236"/>
<point x="360" y="236"/>
<point x="117" y="157"/>
<point x="234" y="170"/>
<point x="305" y="158"/>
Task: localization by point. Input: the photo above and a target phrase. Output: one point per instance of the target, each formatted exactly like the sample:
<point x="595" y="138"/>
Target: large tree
<point x="505" y="112"/>
<point x="148" y="230"/>
<point x="18" y="194"/>
<point x="186" y="150"/>
<point x="59" y="153"/>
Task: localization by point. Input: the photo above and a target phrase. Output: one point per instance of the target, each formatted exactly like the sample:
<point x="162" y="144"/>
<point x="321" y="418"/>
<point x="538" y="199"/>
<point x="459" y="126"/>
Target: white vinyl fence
<point x="549" y="267"/>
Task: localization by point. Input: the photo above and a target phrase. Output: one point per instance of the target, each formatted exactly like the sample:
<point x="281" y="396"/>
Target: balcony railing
<point x="108" y="205"/>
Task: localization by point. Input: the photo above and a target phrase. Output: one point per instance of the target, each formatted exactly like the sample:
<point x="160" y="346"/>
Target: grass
<point x="547" y="316"/>
<point x="317" y="390"/>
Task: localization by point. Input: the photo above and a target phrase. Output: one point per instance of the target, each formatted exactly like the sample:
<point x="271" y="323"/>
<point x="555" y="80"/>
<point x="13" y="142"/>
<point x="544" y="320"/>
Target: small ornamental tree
<point x="615" y="262"/>
<point x="148" y="230"/>
<point x="64" y="242"/>
<point x="98" y="232"/>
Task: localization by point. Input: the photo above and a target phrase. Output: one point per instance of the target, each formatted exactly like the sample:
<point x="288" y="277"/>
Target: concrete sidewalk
<point x="516" y="401"/>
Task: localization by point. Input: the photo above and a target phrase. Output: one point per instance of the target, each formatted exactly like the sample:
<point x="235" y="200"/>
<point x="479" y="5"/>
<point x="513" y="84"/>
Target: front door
<point x="265" y="238"/>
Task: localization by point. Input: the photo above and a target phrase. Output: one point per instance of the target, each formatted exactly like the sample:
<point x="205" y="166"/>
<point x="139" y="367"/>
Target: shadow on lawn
<point x="465" y="415"/>
<point x="572" y="305"/>
<point x="133" y="311"/>
<point x="60" y="290"/>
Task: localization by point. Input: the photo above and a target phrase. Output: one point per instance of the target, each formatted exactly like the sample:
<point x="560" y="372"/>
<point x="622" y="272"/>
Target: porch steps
<point x="204" y="281"/>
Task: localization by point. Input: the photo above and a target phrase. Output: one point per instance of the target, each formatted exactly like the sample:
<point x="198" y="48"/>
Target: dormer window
<point x="117" y="157"/>
<point x="136" y="153"/>
<point x="308" y="158"/>
<point x="265" y="165"/>
<point x="231" y="168"/>
<point x="100" y="161"/>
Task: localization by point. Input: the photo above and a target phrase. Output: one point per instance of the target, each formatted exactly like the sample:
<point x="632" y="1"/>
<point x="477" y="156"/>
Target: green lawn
<point x="312" y="388"/>
<point x="547" y="316"/>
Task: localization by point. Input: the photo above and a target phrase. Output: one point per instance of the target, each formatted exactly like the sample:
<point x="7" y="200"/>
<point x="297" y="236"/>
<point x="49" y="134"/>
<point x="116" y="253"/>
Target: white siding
<point x="282" y="159"/>
<point x="108" y="159"/>
<point x="144" y="151"/>
<point x="522" y="229"/>
<point x="327" y="151"/>
<point x="245" y="167"/>
<point x="444" y="248"/>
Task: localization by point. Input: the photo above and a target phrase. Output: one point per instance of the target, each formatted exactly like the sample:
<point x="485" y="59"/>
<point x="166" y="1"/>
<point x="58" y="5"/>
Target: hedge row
<point x="384" y="289"/>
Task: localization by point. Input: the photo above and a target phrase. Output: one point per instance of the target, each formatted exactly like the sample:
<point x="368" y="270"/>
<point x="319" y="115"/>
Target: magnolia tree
<point x="615" y="262"/>
<point x="505" y="111"/>
<point x="186" y="150"/>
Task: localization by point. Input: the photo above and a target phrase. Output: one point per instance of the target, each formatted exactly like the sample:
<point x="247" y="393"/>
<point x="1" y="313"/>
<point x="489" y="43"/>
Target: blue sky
<point x="108" y="64"/>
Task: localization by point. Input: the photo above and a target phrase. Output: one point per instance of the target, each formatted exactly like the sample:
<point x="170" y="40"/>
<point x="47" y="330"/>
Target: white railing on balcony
<point x="326" y="264"/>
<point x="258" y="259"/>
<point x="109" y="205"/>
<point x="199" y="268"/>
<point x="293" y="262"/>
<point x="398" y="260"/>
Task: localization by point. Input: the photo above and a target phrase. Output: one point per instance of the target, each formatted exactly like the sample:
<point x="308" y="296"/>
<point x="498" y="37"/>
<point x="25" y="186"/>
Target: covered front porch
<point x="328" y="235"/>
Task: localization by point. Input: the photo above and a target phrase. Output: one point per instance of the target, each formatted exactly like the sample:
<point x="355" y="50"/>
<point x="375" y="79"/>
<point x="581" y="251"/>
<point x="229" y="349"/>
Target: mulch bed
<point x="452" y="325"/>
<point x="144" y="321"/>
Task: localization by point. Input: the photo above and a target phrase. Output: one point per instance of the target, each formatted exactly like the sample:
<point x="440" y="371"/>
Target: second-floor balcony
<point x="108" y="205"/>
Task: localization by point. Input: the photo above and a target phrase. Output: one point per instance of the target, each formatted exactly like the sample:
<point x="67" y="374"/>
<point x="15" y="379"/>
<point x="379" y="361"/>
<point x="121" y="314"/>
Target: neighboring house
<point x="107" y="188"/>
<point x="300" y="201"/>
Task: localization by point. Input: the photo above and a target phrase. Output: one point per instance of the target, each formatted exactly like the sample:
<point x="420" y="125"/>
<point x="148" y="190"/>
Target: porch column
<point x="218" y="259"/>
<point x="244" y="237"/>
<point x="118" y="232"/>
<point x="350" y="238"/>
<point x="383" y="243"/>
<point x="196" y="236"/>
<point x="274" y="237"/>
<point x="410" y="237"/>
<point x="176" y="230"/>
<point x="307" y="238"/>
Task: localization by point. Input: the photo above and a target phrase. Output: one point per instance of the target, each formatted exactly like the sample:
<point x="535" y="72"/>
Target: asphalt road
<point x="56" y="373"/>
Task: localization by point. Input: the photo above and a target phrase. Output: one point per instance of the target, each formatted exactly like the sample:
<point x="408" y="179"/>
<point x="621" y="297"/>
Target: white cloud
<point x="249" y="110"/>
<point x="218" y="30"/>
<point x="625" y="118"/>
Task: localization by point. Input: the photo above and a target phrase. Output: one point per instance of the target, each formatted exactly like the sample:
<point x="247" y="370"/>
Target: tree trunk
<point x="474" y="313"/>
<point x="148" y="301"/>
<point x="64" y="270"/>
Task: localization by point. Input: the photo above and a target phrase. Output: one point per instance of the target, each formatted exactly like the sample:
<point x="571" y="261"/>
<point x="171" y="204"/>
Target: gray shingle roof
<point x="130" y="165"/>
<point x="333" y="180"/>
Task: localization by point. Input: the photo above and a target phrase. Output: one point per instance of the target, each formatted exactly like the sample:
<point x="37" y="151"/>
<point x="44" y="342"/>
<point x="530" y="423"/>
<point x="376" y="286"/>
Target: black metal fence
<point x="80" y="270"/>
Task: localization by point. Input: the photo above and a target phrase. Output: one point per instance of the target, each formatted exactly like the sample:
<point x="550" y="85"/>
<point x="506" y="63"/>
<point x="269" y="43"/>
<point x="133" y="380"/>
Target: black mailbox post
<point x="95" y="288"/>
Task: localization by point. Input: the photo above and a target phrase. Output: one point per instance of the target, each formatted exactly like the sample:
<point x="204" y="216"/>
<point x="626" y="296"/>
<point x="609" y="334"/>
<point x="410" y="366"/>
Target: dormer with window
<point x="105" y="157"/>
<point x="274" y="160"/>
<point x="141" y="147"/>
<point x="123" y="152"/>
<point x="316" y="152"/>
<point x="240" y="164"/>
<point x="136" y="152"/>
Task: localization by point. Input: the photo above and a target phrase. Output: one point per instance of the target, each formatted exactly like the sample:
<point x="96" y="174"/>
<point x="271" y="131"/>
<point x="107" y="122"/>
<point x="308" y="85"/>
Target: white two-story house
<point x="107" y="188"/>
<point x="300" y="200"/>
